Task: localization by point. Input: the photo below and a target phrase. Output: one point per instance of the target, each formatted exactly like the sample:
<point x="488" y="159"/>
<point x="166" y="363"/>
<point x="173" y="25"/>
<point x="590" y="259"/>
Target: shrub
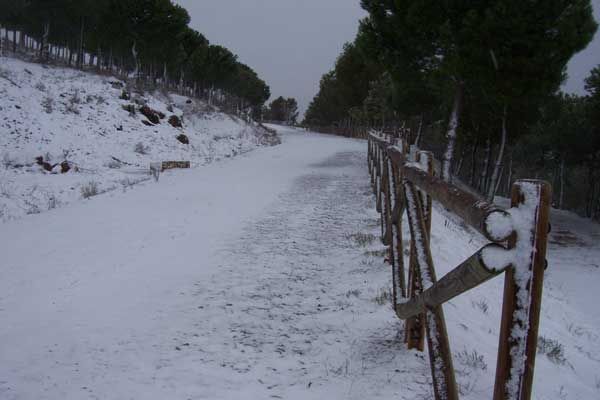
<point x="113" y="164"/>
<point x="552" y="349"/>
<point x="74" y="101"/>
<point x="130" y="108"/>
<point x="482" y="305"/>
<point x="384" y="296"/>
<point x="89" y="190"/>
<point x="48" y="104"/>
<point x="473" y="360"/>
<point x="141" y="149"/>
<point x="362" y="239"/>
<point x="40" y="86"/>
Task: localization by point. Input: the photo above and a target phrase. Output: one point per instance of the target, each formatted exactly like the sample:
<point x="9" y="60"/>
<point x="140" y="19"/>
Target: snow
<point x="240" y="280"/>
<point x="499" y="225"/>
<point x="62" y="113"/>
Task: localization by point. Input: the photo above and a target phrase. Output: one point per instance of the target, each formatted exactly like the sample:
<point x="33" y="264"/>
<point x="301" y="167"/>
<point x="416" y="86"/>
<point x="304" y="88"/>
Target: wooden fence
<point x="403" y="180"/>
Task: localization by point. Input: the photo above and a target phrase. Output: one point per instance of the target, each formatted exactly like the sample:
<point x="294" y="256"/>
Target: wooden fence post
<point x="415" y="326"/>
<point x="523" y="291"/>
<point x="398" y="275"/>
<point x="442" y="370"/>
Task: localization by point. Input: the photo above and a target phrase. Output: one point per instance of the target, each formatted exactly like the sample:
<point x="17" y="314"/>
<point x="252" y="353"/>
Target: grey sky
<point x="582" y="63"/>
<point x="292" y="43"/>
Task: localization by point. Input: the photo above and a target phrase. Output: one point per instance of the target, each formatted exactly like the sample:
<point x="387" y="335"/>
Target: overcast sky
<point x="292" y="43"/>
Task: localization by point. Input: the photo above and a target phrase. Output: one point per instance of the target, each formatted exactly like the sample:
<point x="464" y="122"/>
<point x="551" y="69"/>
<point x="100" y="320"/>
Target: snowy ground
<point x="259" y="277"/>
<point x="64" y="114"/>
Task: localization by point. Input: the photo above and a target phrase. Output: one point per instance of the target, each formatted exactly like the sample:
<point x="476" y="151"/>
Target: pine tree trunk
<point x="562" y="184"/>
<point x="510" y="173"/>
<point x="499" y="180"/>
<point x="473" y="163"/>
<point x="498" y="165"/>
<point x="80" y="50"/>
<point x="419" y="131"/>
<point x="460" y="161"/>
<point x="14" y="46"/>
<point x="452" y="132"/>
<point x="486" y="163"/>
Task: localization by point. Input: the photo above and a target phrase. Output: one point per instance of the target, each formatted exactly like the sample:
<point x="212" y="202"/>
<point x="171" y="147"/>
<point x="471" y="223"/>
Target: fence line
<point x="404" y="182"/>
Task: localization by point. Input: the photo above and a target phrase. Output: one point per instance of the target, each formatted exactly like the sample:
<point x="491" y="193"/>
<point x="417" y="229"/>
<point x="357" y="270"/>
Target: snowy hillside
<point x="94" y="124"/>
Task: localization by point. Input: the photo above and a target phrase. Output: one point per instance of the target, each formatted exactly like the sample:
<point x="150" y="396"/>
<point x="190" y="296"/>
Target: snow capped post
<point x="530" y="211"/>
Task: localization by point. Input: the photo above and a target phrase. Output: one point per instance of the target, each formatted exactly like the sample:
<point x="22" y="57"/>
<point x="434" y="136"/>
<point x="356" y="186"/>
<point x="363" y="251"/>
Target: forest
<point x="478" y="83"/>
<point x="149" y="40"/>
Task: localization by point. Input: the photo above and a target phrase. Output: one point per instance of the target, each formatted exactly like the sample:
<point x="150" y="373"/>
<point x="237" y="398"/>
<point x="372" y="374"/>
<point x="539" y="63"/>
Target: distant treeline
<point x="479" y="84"/>
<point x="149" y="40"/>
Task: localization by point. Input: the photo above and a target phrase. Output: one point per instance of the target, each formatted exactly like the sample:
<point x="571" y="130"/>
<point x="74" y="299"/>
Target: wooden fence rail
<point x="404" y="182"/>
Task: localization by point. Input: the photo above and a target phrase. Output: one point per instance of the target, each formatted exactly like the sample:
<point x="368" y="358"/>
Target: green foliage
<point x="344" y="88"/>
<point x="284" y="110"/>
<point x="151" y="37"/>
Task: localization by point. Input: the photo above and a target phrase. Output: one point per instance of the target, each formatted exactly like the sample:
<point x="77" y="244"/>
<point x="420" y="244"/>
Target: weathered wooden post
<point x="415" y="326"/>
<point x="530" y="201"/>
<point x="398" y="272"/>
<point x="442" y="370"/>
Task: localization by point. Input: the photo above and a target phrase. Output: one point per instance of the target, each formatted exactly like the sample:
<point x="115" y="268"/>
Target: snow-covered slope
<point x="64" y="114"/>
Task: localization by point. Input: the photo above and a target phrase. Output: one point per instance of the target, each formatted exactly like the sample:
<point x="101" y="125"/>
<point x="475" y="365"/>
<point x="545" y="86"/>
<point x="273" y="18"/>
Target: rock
<point x="45" y="165"/>
<point x="183" y="139"/>
<point x="65" y="167"/>
<point x="175" y="121"/>
<point x="125" y="95"/>
<point x="152" y="115"/>
<point x="188" y="101"/>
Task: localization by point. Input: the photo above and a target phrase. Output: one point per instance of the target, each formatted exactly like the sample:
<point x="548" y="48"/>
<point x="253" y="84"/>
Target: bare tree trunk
<point x="45" y="46"/>
<point x="14" y="40"/>
<point x="562" y="184"/>
<point x="419" y="131"/>
<point x="460" y="161"/>
<point x="134" y="53"/>
<point x="510" y="172"/>
<point x="473" y="163"/>
<point x="499" y="180"/>
<point x="451" y="133"/>
<point x="80" y="50"/>
<point x="486" y="163"/>
<point x="495" y="174"/>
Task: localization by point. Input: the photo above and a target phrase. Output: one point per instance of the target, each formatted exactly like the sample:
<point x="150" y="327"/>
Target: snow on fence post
<point x="530" y="202"/>
<point x="442" y="370"/>
<point x="415" y="326"/>
<point x="398" y="274"/>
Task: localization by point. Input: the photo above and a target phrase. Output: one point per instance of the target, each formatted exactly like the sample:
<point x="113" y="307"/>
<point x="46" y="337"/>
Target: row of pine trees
<point x="478" y="83"/>
<point x="148" y="39"/>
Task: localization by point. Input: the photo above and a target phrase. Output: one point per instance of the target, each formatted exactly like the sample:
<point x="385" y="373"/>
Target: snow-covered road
<point x="261" y="277"/>
<point x="214" y="283"/>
